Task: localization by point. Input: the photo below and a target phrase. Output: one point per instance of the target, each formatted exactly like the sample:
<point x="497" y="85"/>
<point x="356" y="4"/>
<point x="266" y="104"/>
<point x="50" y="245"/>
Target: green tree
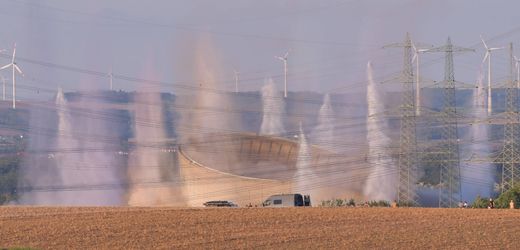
<point x="512" y="194"/>
<point x="8" y="178"/>
<point x="480" y="202"/>
<point x="380" y="203"/>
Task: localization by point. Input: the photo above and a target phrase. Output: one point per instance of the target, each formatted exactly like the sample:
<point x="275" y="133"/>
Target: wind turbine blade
<point x="413" y="46"/>
<point x="485" y="57"/>
<point x="491" y="49"/>
<point x="286" y="54"/>
<point x="414" y="56"/>
<point x="6" y="66"/>
<point x="18" y="69"/>
<point x="14" y="53"/>
<point x="484" y="42"/>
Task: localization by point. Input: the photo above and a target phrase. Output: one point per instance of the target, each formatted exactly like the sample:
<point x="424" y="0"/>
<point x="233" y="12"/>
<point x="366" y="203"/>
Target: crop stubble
<point x="162" y="227"/>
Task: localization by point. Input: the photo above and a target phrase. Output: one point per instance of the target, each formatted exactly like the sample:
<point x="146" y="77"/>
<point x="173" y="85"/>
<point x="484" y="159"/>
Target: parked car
<point x="220" y="204"/>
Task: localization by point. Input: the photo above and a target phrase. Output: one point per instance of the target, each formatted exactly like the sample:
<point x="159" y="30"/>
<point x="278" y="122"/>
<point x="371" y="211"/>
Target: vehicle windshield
<point x="298" y="200"/>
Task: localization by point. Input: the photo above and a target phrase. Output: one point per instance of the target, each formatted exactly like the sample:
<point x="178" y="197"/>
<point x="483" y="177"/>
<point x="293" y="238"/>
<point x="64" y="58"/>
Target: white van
<point x="287" y="200"/>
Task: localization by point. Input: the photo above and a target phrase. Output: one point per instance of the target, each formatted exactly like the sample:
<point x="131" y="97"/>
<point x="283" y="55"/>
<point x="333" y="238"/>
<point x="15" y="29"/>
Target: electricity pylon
<point x="449" y="186"/>
<point x="509" y="157"/>
<point x="406" y="186"/>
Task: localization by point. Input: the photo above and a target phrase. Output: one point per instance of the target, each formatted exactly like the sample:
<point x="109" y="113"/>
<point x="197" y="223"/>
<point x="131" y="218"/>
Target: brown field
<point x="174" y="228"/>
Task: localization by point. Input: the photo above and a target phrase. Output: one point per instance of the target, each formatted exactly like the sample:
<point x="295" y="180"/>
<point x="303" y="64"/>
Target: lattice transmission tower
<point x="509" y="157"/>
<point x="407" y="168"/>
<point x="449" y="186"/>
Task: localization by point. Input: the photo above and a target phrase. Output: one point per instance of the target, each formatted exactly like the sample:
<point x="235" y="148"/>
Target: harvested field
<point x="174" y="228"/>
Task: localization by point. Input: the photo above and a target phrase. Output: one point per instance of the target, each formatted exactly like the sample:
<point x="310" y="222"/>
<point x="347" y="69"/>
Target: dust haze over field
<point x="176" y="103"/>
<point x="145" y="161"/>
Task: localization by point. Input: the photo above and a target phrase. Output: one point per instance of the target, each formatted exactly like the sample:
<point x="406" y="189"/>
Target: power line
<point x="189" y="29"/>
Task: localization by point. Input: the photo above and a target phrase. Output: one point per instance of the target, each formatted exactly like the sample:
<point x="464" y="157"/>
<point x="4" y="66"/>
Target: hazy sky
<point x="330" y="41"/>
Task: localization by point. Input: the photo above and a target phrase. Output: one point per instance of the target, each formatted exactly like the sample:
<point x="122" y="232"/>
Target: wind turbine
<point x="417" y="82"/>
<point x="284" y="59"/>
<point x="237" y="74"/>
<point x="488" y="57"/>
<point x="15" y="68"/>
<point x="111" y="77"/>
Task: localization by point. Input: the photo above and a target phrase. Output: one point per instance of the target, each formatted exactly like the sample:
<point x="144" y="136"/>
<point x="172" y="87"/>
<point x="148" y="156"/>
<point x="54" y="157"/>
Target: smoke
<point x="209" y="121"/>
<point x="478" y="177"/>
<point x="304" y="176"/>
<point x="381" y="182"/>
<point x="210" y="113"/>
<point x="323" y="134"/>
<point x="154" y="179"/>
<point x="98" y="146"/>
<point x="273" y="108"/>
<point x="82" y="159"/>
<point x="38" y="169"/>
<point x="211" y="107"/>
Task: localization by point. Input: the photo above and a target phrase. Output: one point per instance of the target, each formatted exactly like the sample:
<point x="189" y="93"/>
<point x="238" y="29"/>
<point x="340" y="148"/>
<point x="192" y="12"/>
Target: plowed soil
<point x="174" y="228"/>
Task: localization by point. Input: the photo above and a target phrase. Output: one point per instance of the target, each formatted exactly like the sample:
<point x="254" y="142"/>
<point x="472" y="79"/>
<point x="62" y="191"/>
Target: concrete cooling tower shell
<point x="247" y="168"/>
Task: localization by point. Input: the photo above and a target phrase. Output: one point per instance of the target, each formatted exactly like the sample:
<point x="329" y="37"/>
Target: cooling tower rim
<point x="185" y="155"/>
<point x="279" y="138"/>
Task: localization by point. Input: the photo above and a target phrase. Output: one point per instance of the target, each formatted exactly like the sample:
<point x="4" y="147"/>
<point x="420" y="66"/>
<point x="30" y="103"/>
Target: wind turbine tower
<point x="237" y="75"/>
<point x="417" y="82"/>
<point x="284" y="59"/>
<point x="15" y="68"/>
<point x="3" y="87"/>
<point x="488" y="57"/>
<point x="3" y="81"/>
<point x="111" y="78"/>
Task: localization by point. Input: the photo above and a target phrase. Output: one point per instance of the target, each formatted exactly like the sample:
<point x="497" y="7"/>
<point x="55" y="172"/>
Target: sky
<point x="73" y="44"/>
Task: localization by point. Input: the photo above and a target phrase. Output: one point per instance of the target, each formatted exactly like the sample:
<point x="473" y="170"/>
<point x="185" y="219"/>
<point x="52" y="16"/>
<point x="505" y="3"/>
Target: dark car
<point x="219" y="204"/>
